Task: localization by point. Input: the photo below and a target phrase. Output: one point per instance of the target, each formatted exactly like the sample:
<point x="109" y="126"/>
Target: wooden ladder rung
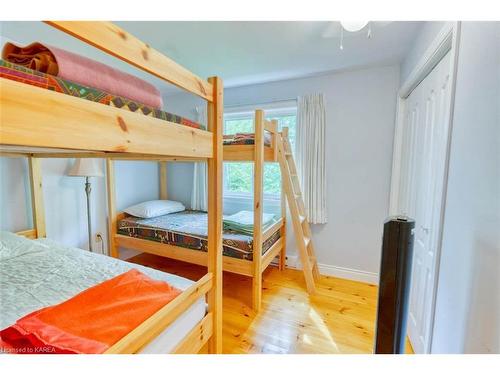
<point x="294" y="195"/>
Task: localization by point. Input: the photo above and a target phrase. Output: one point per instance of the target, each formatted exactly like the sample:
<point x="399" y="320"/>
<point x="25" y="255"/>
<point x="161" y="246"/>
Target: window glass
<point x="238" y="177"/>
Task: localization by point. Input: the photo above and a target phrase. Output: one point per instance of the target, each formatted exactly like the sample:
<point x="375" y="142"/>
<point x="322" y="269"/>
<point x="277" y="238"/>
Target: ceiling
<point x="245" y="53"/>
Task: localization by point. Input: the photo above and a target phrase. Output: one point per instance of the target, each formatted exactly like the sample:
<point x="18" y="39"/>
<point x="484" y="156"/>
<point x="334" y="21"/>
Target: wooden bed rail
<point x="272" y="229"/>
<point x="37" y="203"/>
<point x="258" y="201"/>
<point x="115" y="41"/>
<point x="215" y="112"/>
<point x="271" y="126"/>
<point x="197" y="338"/>
<point x="28" y="233"/>
<point x="20" y="152"/>
<point x="245" y="152"/>
<point x="41" y="118"/>
<point x="282" y="264"/>
<point x="274" y="134"/>
<point x="158" y="322"/>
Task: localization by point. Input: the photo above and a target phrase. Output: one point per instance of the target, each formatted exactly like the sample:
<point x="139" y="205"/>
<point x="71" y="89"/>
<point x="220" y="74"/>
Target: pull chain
<point x="341" y="38"/>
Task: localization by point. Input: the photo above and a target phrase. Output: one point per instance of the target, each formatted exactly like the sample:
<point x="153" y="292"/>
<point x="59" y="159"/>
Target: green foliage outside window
<point x="238" y="125"/>
<point x="238" y="177"/>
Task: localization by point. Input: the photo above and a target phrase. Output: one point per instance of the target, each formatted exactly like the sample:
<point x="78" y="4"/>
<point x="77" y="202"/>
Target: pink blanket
<point x="82" y="70"/>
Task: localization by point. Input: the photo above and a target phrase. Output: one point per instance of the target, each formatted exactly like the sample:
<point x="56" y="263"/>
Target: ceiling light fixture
<point x="353" y="26"/>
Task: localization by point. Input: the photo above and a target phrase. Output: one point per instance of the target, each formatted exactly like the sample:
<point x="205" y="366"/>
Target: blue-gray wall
<point x="468" y="299"/>
<point x="360" y="115"/>
<point x="64" y="197"/>
<point x="467" y="318"/>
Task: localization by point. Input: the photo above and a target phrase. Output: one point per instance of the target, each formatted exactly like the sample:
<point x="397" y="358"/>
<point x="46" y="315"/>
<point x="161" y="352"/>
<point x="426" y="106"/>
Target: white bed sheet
<point x="39" y="273"/>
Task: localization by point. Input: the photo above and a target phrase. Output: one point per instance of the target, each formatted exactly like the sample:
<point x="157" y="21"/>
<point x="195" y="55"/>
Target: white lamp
<point x="86" y="168"/>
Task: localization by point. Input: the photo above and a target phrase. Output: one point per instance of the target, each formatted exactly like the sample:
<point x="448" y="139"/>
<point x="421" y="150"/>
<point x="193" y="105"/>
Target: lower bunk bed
<point x="182" y="236"/>
<point x="188" y="229"/>
<point x="39" y="273"/>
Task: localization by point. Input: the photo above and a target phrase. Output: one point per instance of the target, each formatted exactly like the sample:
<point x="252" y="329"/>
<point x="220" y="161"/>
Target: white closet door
<point x="422" y="179"/>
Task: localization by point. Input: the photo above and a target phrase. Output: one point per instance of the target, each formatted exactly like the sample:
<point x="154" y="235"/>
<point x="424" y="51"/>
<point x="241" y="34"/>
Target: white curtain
<point x="199" y="195"/>
<point x="310" y="138"/>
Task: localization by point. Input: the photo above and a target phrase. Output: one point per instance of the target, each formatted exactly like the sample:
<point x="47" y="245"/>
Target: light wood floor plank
<point x="339" y="318"/>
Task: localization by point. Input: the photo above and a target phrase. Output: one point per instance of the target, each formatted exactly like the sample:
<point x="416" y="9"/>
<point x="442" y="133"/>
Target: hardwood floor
<point x="340" y="318"/>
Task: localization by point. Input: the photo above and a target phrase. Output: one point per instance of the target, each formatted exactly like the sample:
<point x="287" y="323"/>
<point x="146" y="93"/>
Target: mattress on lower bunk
<point x="245" y="139"/>
<point x="46" y="81"/>
<point x="189" y="229"/>
<point x="39" y="273"/>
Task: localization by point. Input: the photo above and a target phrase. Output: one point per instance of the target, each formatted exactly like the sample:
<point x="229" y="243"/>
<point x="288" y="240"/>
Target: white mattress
<point x="40" y="273"/>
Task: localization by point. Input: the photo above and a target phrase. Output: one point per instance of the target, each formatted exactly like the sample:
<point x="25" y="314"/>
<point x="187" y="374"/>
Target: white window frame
<point x="241" y="112"/>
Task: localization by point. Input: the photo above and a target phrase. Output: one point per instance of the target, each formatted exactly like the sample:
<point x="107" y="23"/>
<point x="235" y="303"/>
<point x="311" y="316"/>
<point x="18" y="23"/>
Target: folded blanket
<point x="245" y="139"/>
<point x="242" y="221"/>
<point x="82" y="70"/>
<point x="93" y="320"/>
<point x="46" y="81"/>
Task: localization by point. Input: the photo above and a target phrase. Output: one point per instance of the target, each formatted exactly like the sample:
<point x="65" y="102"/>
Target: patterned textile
<point x="189" y="229"/>
<point x="80" y="69"/>
<point x="46" y="81"/>
<point x="245" y="139"/>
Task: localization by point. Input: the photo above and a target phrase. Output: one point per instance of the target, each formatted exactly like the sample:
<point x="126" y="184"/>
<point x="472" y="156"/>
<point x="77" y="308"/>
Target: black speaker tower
<point x="394" y="285"/>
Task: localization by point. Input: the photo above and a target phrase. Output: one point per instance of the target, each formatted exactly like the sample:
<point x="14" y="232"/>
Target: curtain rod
<point x="269" y="106"/>
<point x="251" y="107"/>
<point x="262" y="103"/>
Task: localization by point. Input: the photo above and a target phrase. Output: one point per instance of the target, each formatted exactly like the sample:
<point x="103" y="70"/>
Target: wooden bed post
<point x="258" y="173"/>
<point x="274" y="139"/>
<point x="282" y="264"/>
<point x="163" y="180"/>
<point x="112" y="224"/>
<point x="214" y="115"/>
<point x="37" y="197"/>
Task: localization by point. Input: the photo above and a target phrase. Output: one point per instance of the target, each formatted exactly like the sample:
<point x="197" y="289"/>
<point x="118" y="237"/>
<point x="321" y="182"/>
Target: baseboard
<point x="348" y="273"/>
<point x="336" y="271"/>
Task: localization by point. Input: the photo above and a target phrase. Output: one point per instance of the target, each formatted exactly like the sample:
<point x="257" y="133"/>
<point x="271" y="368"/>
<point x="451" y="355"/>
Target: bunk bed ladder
<point x="301" y="226"/>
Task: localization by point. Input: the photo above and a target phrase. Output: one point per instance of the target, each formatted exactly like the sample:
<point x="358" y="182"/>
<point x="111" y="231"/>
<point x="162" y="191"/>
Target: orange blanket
<point x="91" y="321"/>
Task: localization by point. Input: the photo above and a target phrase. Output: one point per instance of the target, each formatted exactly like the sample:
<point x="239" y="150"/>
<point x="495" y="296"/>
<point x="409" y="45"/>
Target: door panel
<point x="421" y="188"/>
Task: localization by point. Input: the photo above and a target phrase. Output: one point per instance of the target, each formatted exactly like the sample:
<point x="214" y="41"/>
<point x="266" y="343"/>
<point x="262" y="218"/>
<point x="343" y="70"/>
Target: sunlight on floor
<point x="318" y="321"/>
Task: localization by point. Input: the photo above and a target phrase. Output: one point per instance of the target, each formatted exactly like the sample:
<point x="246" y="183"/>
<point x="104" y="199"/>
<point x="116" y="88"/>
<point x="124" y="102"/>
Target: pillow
<point x="156" y="208"/>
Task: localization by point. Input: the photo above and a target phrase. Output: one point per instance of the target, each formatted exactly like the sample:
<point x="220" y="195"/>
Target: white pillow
<point x="150" y="209"/>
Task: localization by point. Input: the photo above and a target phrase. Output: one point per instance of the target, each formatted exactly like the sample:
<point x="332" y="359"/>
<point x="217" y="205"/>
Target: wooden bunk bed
<point x="273" y="236"/>
<point x="276" y="148"/>
<point x="37" y="123"/>
<point x="258" y="153"/>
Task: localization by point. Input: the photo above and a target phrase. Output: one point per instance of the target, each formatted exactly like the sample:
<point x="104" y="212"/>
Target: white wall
<point x="64" y="197"/>
<point x="15" y="195"/>
<point x="468" y="300"/>
<point x="467" y="318"/>
<point x="180" y="175"/>
<point x="426" y="35"/>
<point x="360" y="114"/>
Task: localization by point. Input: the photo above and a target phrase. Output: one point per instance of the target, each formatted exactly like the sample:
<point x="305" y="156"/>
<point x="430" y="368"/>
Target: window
<point x="238" y="177"/>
